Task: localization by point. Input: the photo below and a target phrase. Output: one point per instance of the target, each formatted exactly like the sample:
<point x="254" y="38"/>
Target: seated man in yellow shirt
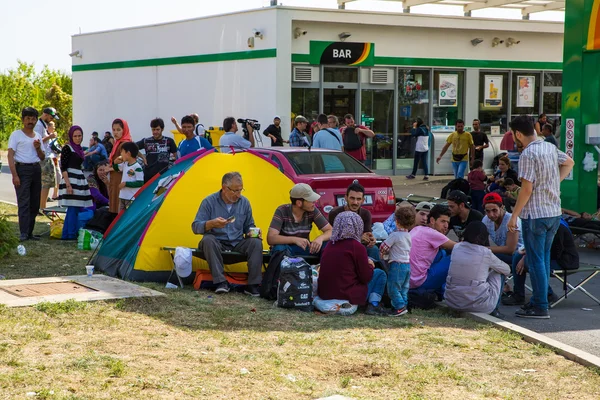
<point x="463" y="149"/>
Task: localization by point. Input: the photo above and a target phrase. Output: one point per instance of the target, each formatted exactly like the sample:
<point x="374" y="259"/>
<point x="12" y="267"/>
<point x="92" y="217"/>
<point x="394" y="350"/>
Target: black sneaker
<point x="397" y="313"/>
<point x="375" y="310"/>
<point x="534" y="313"/>
<point x="222" y="288"/>
<point x="252" y="290"/>
<point x="410" y="176"/>
<point x="496" y="313"/>
<point x="526" y="306"/>
<point x="552" y="298"/>
<point x="425" y="178"/>
<point x="23" y="238"/>
<point x="513" y="300"/>
<point x="35" y="237"/>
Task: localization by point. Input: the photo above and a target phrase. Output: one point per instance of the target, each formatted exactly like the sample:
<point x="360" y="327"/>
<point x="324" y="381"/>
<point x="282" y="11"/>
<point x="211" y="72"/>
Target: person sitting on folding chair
<point x="563" y="256"/>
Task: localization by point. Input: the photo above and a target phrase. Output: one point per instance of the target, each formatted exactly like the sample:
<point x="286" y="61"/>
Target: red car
<point x="330" y="173"/>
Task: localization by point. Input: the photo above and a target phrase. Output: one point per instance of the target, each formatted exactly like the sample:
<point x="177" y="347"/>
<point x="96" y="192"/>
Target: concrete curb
<point x="569" y="352"/>
<point x="10" y="203"/>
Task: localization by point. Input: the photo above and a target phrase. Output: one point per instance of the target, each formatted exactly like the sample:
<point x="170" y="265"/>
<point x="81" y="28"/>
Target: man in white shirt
<point x="48" y="170"/>
<point x="24" y="156"/>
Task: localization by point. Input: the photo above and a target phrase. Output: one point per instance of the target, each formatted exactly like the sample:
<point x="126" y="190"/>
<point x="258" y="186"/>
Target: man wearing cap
<point x="298" y="137"/>
<point x="24" y="156"/>
<point x="462" y="214"/>
<point x="273" y="132"/>
<point x="224" y="219"/>
<point x="421" y="219"/>
<point x="291" y="224"/>
<point x="355" y="197"/>
<point x="48" y="169"/>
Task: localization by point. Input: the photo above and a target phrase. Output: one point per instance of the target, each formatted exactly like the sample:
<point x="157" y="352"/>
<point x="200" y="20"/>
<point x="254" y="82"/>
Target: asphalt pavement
<point x="7" y="190"/>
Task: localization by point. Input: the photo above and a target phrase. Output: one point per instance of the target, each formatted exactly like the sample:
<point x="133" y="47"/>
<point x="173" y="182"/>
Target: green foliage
<point x="24" y="86"/>
<point x="8" y="238"/>
<point x="65" y="307"/>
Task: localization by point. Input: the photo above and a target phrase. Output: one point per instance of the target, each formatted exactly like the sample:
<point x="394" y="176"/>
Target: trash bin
<point x="215" y="133"/>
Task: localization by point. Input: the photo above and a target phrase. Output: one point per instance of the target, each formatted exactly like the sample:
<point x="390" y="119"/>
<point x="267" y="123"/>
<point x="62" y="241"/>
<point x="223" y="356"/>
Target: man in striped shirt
<point x="292" y="223"/>
<point x="541" y="169"/>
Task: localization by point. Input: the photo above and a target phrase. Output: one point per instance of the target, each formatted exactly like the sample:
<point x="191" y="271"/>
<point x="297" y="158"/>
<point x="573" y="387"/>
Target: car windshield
<point x="318" y="162"/>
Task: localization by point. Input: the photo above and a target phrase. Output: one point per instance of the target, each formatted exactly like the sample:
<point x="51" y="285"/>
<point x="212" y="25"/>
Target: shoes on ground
<point x="410" y="176"/>
<point x="397" y="313"/>
<point x="223" y="287"/>
<point x="513" y="300"/>
<point x="375" y="310"/>
<point x="34" y="237"/>
<point x="534" y="313"/>
<point x="252" y="290"/>
<point x="496" y="313"/>
<point x="425" y="178"/>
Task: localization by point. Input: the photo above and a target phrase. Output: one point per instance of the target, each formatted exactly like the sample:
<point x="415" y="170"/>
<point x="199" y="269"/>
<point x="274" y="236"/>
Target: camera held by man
<point x="244" y="124"/>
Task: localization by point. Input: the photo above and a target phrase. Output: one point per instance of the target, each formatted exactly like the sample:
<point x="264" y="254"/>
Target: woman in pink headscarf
<point x="73" y="191"/>
<point x="121" y="134"/>
<point x="346" y="271"/>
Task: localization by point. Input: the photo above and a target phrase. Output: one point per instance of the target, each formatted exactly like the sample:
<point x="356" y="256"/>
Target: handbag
<point x="458" y="157"/>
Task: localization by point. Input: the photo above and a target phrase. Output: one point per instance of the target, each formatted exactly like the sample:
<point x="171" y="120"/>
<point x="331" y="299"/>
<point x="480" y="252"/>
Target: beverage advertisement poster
<point x="448" y="90"/>
<point x="526" y="91"/>
<point x="492" y="91"/>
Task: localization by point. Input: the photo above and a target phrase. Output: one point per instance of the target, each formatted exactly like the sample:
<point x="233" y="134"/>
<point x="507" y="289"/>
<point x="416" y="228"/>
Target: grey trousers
<point x="28" y="196"/>
<point x="251" y="248"/>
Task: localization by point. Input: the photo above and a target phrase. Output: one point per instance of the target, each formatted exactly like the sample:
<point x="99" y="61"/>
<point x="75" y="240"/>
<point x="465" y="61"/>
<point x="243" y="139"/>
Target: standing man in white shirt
<point x="421" y="131"/>
<point x="24" y="156"/>
<point x="48" y="170"/>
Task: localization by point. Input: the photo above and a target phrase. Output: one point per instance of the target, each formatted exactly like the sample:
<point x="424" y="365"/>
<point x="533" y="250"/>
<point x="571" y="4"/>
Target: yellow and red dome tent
<point x="132" y="246"/>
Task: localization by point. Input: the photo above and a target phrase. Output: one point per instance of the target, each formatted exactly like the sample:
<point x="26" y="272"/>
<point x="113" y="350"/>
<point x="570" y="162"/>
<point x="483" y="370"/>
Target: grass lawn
<point x="193" y="344"/>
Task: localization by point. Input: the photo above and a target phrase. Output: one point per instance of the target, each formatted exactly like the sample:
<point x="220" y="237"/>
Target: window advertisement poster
<point x="526" y="91"/>
<point x="492" y="91"/>
<point x="448" y="90"/>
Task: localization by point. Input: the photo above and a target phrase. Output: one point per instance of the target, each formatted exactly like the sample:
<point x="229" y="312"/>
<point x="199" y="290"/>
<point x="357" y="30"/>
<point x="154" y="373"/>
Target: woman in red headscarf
<point x="121" y="134"/>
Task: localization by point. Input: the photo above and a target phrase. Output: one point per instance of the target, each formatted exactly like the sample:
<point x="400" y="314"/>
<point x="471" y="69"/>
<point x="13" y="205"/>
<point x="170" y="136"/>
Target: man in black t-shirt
<point x="159" y="150"/>
<point x="461" y="212"/>
<point x="273" y="132"/>
<point x="480" y="140"/>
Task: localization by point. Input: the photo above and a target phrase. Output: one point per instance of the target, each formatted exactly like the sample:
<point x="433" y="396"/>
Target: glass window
<point x="321" y="162"/>
<point x="552" y="103"/>
<point x="413" y="102"/>
<point x="339" y="102"/>
<point x="493" y="101"/>
<point x="377" y="113"/>
<point x="340" y="74"/>
<point x="525" y="93"/>
<point x="553" y="79"/>
<point x="305" y="102"/>
<point x="448" y="91"/>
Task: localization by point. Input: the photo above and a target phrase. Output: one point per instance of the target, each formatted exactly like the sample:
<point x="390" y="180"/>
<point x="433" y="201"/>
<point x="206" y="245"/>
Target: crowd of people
<point x="417" y="260"/>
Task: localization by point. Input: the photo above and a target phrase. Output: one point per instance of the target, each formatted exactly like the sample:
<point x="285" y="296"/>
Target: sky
<point x="43" y="36"/>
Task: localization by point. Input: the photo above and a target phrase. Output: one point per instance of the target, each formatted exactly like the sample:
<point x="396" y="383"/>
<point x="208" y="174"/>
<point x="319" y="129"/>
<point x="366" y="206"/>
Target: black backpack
<point x="270" y="280"/>
<point x="294" y="289"/>
<point x="351" y="139"/>
<point x="423" y="300"/>
<point x="456" y="184"/>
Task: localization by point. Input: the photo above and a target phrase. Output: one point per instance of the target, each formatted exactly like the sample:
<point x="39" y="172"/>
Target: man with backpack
<point x="191" y="143"/>
<point x="354" y="138"/>
<point x="326" y="137"/>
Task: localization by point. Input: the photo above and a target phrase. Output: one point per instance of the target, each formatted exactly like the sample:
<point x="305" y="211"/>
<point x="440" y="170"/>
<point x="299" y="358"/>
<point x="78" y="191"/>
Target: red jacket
<point x="345" y="272"/>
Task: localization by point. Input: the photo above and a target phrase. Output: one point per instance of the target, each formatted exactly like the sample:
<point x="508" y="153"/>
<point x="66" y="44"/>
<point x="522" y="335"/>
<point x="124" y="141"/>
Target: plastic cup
<point x="254" y="232"/>
<point x="90" y="270"/>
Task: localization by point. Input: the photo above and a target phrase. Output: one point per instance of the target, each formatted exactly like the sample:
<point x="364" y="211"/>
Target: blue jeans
<point x="373" y="253"/>
<point x="437" y="274"/>
<point x="519" y="280"/>
<point x="91" y="161"/>
<point x="459" y="169"/>
<point x="538" y="235"/>
<point x="291" y="249"/>
<point x="508" y="259"/>
<point x="376" y="286"/>
<point x="398" y="284"/>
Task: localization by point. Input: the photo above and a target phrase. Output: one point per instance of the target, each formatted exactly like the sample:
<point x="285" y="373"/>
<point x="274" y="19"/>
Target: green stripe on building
<point x="452" y="63"/>
<point x="156" y="62"/>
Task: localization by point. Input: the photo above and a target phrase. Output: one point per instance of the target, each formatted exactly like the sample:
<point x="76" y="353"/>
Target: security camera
<point x="299" y="32"/>
<point x="476" y="41"/>
<point x="511" y="42"/>
<point x="496" y="41"/>
<point x="344" y="35"/>
<point x="258" y="33"/>
<point x="76" y="53"/>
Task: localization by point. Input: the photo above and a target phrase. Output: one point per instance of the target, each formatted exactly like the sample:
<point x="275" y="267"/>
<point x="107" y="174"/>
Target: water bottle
<point x="21" y="250"/>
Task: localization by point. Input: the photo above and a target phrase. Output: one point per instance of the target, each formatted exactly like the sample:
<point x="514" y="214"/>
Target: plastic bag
<point x="88" y="240"/>
<point x="334" y="306"/>
<point x="56" y="228"/>
<point x="295" y="284"/>
<point x="183" y="261"/>
<point x="379" y="231"/>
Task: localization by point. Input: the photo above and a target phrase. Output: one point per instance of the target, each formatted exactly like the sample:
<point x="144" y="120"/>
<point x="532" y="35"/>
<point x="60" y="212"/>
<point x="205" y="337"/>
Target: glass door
<point x="377" y="113"/>
<point x="339" y="102"/>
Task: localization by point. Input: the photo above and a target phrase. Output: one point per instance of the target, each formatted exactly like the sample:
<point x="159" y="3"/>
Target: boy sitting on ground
<point x="133" y="174"/>
<point x="397" y="245"/>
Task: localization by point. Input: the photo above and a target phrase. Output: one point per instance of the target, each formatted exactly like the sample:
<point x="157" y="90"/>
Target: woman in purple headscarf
<point x="346" y="271"/>
<point x="74" y="192"/>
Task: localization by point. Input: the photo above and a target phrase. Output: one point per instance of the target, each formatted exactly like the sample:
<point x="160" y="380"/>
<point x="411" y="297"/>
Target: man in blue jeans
<point x="463" y="149"/>
<point x="291" y="224"/>
<point x="541" y="169"/>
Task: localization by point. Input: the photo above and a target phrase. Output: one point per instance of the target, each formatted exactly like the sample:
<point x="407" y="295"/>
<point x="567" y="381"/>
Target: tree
<point x="23" y="86"/>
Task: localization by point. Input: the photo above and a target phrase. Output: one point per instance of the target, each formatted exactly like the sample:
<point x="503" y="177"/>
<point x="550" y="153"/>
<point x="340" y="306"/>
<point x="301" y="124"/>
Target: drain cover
<point x="46" y="289"/>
